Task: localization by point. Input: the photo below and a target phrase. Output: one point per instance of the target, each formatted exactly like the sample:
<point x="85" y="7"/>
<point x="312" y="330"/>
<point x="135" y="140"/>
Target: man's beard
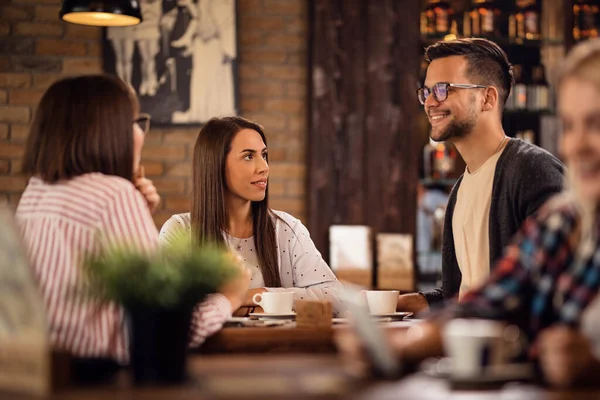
<point x="458" y="129"/>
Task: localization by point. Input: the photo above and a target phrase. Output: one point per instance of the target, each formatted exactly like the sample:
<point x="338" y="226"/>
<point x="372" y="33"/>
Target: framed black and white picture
<point x="180" y="60"/>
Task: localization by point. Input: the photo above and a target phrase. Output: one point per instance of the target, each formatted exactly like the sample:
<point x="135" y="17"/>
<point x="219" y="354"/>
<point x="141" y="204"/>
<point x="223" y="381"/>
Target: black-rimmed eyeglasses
<point x="440" y="90"/>
<point x="143" y="121"/>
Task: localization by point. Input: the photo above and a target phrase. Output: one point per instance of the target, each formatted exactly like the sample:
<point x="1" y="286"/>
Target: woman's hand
<point x="235" y="290"/>
<point x="147" y="189"/>
<point x="565" y="356"/>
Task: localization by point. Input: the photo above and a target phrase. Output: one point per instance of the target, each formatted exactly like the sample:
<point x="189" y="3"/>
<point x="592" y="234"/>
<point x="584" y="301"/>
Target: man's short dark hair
<point x="487" y="62"/>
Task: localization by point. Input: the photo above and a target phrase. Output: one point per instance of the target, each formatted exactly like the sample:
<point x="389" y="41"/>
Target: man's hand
<point x="412" y="302"/>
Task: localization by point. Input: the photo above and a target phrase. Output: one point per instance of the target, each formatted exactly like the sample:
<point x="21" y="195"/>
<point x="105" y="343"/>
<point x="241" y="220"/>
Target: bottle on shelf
<point x="436" y="19"/>
<point x="538" y="91"/>
<point x="484" y="19"/>
<point x="527" y="136"/>
<point x="439" y="160"/>
<point x="518" y="97"/>
<point x="585" y="19"/>
<point x="525" y="25"/>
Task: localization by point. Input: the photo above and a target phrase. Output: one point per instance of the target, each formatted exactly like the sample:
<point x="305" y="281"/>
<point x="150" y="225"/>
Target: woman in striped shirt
<point x="83" y="155"/>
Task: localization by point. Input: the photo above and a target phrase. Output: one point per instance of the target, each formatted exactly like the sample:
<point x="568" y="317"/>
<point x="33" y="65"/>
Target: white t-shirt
<point x="301" y="267"/>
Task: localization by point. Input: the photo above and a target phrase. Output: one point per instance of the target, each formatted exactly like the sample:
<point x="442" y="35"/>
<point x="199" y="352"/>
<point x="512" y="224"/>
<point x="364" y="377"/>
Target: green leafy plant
<point x="176" y="276"/>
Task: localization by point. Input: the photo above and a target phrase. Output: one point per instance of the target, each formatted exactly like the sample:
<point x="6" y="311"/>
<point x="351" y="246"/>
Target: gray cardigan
<point x="525" y="177"/>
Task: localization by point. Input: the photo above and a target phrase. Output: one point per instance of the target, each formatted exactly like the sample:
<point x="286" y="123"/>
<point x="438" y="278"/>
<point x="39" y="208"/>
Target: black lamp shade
<point x="101" y="12"/>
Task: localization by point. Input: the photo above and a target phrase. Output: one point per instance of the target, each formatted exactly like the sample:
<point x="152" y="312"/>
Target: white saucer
<point x="258" y="315"/>
<point x="395" y="316"/>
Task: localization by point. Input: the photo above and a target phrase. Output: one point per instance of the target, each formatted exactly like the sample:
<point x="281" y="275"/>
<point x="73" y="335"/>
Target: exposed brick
<point x="287" y="171"/>
<point x="16" y="165"/>
<point x="276" y="154"/>
<point x="285" y="72"/>
<point x="297" y="125"/>
<point x="4" y="202"/>
<point x="181" y="136"/>
<point x="250" y="7"/>
<point x="285" y="41"/>
<point x="295" y="89"/>
<point x="47" y="13"/>
<point x="161" y="217"/>
<point x="4" y="64"/>
<point x="25" y="97"/>
<point x="249" y="71"/>
<point x="252" y="104"/>
<point x="60" y="47"/>
<point x="94" y="49"/>
<point x="295" y="154"/>
<point x="3" y="97"/>
<point x="285" y="105"/>
<point x="4" y="131"/>
<point x="38" y="64"/>
<point x="296" y="25"/>
<point x="285" y="7"/>
<point x="295" y="188"/>
<point x="19" y="133"/>
<point x="178" y="203"/>
<point x="298" y="58"/>
<point x="153" y="168"/>
<point x="252" y="39"/>
<point x="12" y="183"/>
<point x="4" y="166"/>
<point x="83" y="32"/>
<point x="260" y="56"/>
<point x="14" y="114"/>
<point x="262" y="23"/>
<point x="180" y="170"/>
<point x="169" y="186"/>
<point x="43" y="81"/>
<point x="4" y="28"/>
<point x="78" y="66"/>
<point x="290" y="205"/>
<point x="276" y="188"/>
<point x="38" y="29"/>
<point x="11" y="150"/>
<point x="261" y="89"/>
<point x="15" y="46"/>
<point x="163" y="152"/>
<point x="271" y="122"/>
<point x="16" y="13"/>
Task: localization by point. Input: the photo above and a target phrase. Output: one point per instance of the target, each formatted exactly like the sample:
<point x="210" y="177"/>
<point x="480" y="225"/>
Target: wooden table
<point x="291" y="377"/>
<point x="280" y="339"/>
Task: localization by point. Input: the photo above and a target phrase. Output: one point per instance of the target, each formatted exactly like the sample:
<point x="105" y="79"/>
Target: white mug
<point x="382" y="301"/>
<point x="275" y="302"/>
<point x="475" y="345"/>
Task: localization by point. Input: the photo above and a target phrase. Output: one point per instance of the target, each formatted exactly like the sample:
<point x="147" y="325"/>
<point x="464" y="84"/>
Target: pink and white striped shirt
<point x="60" y="223"/>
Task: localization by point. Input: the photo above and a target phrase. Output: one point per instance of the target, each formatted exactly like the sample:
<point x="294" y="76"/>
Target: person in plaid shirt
<point x="549" y="276"/>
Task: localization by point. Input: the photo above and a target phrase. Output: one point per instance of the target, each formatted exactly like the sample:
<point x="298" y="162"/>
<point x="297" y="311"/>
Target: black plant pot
<point x="158" y="340"/>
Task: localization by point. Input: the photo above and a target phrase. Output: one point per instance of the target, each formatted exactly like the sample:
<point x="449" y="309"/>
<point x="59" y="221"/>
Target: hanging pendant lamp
<point x="101" y="12"/>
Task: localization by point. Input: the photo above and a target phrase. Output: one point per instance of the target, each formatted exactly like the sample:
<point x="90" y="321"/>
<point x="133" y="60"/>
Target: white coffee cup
<point x="275" y="302"/>
<point x="476" y="345"/>
<point x="382" y="301"/>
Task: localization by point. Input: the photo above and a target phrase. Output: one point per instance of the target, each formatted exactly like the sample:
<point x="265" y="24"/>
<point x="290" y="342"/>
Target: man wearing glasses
<point x="506" y="179"/>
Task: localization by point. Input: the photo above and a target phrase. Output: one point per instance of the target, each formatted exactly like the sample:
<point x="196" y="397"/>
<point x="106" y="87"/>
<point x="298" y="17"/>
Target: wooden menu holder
<point x="313" y="313"/>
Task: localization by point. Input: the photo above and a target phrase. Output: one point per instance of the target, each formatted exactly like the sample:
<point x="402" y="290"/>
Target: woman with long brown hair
<point x="87" y="192"/>
<point x="230" y="206"/>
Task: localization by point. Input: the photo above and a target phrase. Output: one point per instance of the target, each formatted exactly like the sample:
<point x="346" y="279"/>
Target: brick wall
<point x="37" y="48"/>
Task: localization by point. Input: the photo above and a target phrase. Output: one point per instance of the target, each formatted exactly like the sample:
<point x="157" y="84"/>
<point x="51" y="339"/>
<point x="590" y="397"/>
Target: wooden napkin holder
<point x="314" y="313"/>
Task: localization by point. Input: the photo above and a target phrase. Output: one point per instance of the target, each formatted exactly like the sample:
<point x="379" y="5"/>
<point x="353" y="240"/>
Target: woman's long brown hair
<point x="209" y="214"/>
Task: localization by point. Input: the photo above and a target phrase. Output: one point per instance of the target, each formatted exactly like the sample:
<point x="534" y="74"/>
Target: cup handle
<point x="257" y="299"/>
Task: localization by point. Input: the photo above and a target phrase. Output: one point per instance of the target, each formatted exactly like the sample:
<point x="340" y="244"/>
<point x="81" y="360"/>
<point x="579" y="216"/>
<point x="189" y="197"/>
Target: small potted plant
<point x="159" y="292"/>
